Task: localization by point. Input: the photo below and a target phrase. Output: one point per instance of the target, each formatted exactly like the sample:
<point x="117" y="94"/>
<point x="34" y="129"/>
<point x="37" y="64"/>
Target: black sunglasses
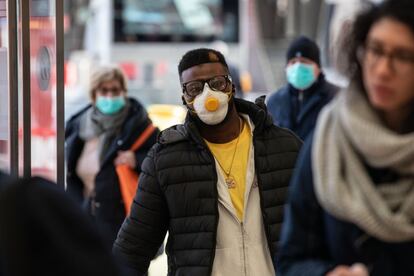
<point x="217" y="83"/>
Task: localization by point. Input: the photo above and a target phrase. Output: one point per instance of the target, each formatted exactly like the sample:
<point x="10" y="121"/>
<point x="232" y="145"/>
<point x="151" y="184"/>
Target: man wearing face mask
<point x="217" y="183"/>
<point x="296" y="105"/>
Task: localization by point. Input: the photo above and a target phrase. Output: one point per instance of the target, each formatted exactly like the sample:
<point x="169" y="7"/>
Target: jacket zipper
<point x="241" y="223"/>
<point x="301" y="96"/>
<point x="244" y="249"/>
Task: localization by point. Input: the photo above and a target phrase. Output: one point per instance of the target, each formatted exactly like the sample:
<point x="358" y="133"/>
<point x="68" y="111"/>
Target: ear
<point x="316" y="70"/>
<point x="184" y="102"/>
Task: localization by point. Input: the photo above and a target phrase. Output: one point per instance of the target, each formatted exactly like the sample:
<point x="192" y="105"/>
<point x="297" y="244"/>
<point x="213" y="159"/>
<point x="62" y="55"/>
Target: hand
<point x="359" y="269"/>
<point x="126" y="158"/>
<point x="356" y="269"/>
<point x="340" y="270"/>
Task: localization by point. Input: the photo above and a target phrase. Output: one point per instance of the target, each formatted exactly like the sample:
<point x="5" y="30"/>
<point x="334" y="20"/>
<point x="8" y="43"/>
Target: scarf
<point x="348" y="135"/>
<point x="94" y="123"/>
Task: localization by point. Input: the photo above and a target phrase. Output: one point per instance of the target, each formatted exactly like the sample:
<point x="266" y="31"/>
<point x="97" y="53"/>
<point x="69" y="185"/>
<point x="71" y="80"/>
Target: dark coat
<point x="109" y="209"/>
<point x="314" y="242"/>
<point x="178" y="193"/>
<point x="5" y="180"/>
<point x="43" y="232"/>
<point x="288" y="111"/>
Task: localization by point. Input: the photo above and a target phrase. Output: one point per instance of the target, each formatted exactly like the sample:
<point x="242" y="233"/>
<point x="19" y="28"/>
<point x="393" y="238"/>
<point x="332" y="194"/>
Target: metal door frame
<point x="13" y="33"/>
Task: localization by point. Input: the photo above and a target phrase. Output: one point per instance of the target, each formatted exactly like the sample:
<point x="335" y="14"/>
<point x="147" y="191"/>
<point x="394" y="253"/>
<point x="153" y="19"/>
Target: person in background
<point x="4" y="179"/>
<point x="44" y="232"/>
<point x="351" y="205"/>
<point x="217" y="183"/>
<point x="99" y="138"/>
<point x="297" y="104"/>
<point x="234" y="71"/>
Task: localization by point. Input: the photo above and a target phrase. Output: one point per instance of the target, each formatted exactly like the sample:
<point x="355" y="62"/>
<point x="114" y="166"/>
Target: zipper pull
<point x="301" y="97"/>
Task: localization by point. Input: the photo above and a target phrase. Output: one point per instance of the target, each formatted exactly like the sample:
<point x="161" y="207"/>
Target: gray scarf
<point x="94" y="124"/>
<point x="349" y="131"/>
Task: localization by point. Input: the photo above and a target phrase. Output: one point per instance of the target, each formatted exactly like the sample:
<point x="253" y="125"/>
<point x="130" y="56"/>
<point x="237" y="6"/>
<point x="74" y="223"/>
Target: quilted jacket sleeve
<point x="143" y="232"/>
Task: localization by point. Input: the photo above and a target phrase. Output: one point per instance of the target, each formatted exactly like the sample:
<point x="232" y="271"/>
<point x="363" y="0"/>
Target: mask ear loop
<point x="187" y="105"/>
<point x="230" y="95"/>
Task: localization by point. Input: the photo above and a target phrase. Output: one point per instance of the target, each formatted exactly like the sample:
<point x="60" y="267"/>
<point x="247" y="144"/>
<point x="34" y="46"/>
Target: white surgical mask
<point x="211" y="106"/>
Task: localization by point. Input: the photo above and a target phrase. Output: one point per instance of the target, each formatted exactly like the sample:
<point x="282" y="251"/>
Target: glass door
<point x="31" y="88"/>
<point x="4" y="90"/>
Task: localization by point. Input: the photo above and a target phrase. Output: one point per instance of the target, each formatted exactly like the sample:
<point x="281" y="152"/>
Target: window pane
<point x="176" y="20"/>
<point x="4" y="91"/>
<point x="43" y="88"/>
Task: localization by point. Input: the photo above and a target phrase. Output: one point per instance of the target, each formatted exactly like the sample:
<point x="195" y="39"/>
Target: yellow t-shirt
<point x="224" y="155"/>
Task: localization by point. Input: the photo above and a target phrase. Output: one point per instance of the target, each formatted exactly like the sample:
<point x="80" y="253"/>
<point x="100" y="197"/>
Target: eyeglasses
<point x="218" y="83"/>
<point x="401" y="61"/>
<point x="113" y="90"/>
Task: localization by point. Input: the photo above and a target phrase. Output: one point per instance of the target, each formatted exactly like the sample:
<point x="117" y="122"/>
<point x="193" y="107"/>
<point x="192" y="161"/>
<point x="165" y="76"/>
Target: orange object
<point x="128" y="177"/>
<point x="246" y="82"/>
<point x="211" y="104"/>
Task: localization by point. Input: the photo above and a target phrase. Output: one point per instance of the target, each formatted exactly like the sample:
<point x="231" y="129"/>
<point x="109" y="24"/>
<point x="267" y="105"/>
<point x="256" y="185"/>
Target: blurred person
<point x="3" y="179"/>
<point x="351" y="204"/>
<point x="217" y="183"/>
<point x="234" y="71"/>
<point x="297" y="104"/>
<point x="99" y="138"/>
<point x="43" y="232"/>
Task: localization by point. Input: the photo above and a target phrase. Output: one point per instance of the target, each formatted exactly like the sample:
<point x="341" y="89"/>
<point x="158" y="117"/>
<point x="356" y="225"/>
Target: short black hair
<point x="400" y="10"/>
<point x="199" y="56"/>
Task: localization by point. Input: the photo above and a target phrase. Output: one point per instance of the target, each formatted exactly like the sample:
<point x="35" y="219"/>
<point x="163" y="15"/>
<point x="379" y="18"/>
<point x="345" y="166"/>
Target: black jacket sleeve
<point x="143" y="232"/>
<point x="303" y="249"/>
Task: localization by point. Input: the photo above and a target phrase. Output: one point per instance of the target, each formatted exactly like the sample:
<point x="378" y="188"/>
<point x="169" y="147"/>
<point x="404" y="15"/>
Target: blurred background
<point x="147" y="39"/>
<point x="48" y="45"/>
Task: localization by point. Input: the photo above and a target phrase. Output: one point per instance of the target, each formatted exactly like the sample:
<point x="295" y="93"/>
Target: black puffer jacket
<point x="178" y="193"/>
<point x="109" y="209"/>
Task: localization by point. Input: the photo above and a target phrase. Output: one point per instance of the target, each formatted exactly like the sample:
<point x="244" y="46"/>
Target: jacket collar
<point x="135" y="108"/>
<point x="188" y="131"/>
<point x="312" y="96"/>
<point x="137" y="117"/>
<point x="311" y="90"/>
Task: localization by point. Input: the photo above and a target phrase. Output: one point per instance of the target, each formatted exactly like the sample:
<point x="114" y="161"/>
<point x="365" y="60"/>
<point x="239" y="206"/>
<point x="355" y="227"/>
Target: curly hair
<point x="400" y="10"/>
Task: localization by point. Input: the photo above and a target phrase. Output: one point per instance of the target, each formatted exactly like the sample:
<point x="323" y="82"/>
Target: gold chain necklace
<point x="230" y="181"/>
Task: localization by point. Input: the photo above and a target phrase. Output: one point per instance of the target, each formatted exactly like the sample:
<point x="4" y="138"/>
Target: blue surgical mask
<point x="300" y="75"/>
<point x="110" y="105"/>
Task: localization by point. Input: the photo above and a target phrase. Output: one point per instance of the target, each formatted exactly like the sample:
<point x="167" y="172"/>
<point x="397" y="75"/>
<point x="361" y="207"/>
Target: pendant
<point x="231" y="183"/>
